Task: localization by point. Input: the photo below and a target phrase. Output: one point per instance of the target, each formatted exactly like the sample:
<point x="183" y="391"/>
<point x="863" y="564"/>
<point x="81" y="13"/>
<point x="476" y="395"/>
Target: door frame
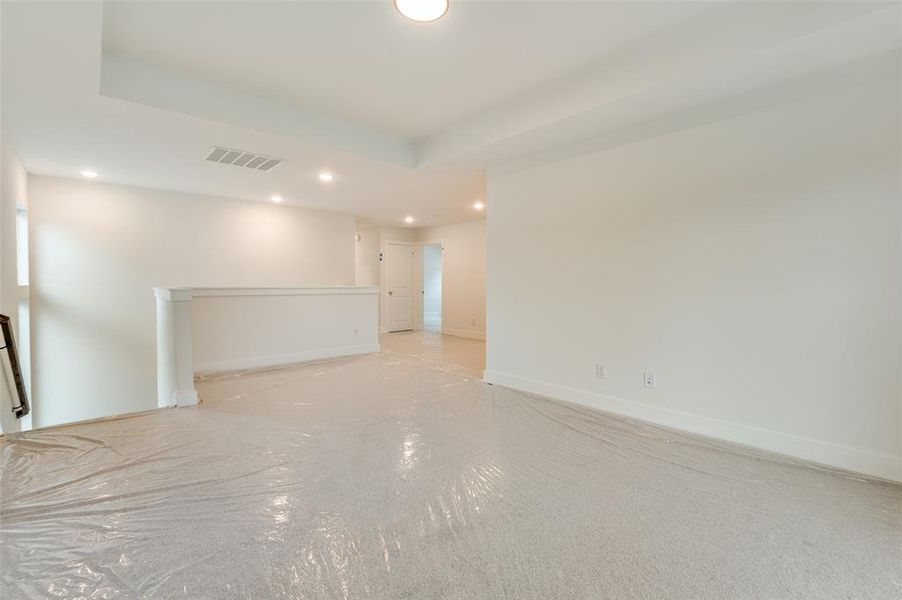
<point x="419" y="281"/>
<point x="383" y="288"/>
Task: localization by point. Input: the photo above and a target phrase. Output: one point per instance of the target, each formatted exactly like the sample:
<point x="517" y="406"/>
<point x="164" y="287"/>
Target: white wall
<point x="97" y="252"/>
<point x="432" y="280"/>
<point x="464" y="270"/>
<point x="366" y="255"/>
<point x="13" y="193"/>
<point x="241" y="329"/>
<point x="367" y="268"/>
<point x="398" y="234"/>
<point x="463" y="295"/>
<point x="754" y="265"/>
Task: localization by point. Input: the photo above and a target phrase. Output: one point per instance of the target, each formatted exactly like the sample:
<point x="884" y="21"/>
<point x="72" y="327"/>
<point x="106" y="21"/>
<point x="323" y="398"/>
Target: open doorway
<point x="432" y="287"/>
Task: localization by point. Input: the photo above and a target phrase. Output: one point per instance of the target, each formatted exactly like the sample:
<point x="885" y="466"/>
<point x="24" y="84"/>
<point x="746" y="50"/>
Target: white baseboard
<point x="833" y="455"/>
<point x="465" y="333"/>
<point x="275" y="360"/>
<point x="186" y="398"/>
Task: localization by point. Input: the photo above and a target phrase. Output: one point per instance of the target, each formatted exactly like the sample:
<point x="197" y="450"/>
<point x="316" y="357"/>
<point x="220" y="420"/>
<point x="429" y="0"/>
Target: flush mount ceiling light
<point x="408" y="219"/>
<point x="422" y="11"/>
<point x="326" y="177"/>
<point x="89" y="174"/>
<point x="276" y="198"/>
<point x="479" y="205"/>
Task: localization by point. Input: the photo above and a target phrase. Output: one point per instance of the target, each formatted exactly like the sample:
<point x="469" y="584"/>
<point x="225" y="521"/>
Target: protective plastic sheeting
<point x="379" y="477"/>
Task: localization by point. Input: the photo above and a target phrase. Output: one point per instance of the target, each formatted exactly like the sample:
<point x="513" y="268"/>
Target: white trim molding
<point x="832" y="455"/>
<point x="173" y="294"/>
<point x="275" y="360"/>
<point x="293" y="291"/>
<point x="464" y="333"/>
<point x="175" y="369"/>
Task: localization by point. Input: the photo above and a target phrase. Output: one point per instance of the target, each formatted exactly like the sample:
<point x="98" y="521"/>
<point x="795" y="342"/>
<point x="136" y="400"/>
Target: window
<point x="21" y="246"/>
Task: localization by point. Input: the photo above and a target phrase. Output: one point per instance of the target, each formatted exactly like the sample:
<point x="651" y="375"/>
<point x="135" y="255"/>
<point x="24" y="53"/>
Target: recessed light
<point x="478" y="205"/>
<point x="326" y="177"/>
<point x="276" y="198"/>
<point x="408" y="219"/>
<point x="422" y="11"/>
<point x="89" y="174"/>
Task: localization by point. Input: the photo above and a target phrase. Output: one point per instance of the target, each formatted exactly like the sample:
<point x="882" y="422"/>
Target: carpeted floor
<point x="387" y="476"/>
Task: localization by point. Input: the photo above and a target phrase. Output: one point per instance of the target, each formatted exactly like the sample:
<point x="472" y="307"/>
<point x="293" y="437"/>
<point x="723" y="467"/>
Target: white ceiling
<point x="407" y="115"/>
<point x="364" y="63"/>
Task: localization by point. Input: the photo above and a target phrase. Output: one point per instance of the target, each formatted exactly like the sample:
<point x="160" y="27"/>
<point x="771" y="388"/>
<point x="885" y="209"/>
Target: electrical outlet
<point x="649" y="380"/>
<point x="600" y="371"/>
<point x="356" y="333"/>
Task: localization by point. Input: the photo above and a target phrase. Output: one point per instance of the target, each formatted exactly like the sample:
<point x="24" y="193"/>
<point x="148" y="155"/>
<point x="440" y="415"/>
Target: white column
<point x="175" y="363"/>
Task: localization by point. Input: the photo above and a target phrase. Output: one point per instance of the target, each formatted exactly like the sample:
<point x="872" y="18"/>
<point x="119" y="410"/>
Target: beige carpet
<point x="383" y="477"/>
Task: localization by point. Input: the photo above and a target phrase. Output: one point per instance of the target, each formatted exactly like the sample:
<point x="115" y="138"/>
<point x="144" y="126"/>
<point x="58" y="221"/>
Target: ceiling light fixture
<point x="276" y="198"/>
<point x="89" y="174"/>
<point x="479" y="205"/>
<point x="422" y="11"/>
<point x="408" y="219"/>
<point x="326" y="177"/>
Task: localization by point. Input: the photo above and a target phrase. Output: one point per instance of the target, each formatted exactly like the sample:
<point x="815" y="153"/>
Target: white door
<point x="398" y="285"/>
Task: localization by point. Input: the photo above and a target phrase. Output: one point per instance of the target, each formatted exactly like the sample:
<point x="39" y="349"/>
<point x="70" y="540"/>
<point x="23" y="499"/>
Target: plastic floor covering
<point x="385" y="477"/>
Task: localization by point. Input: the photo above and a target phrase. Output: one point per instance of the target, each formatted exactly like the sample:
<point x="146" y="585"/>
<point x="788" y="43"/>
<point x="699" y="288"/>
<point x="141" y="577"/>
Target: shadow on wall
<point x="77" y="330"/>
